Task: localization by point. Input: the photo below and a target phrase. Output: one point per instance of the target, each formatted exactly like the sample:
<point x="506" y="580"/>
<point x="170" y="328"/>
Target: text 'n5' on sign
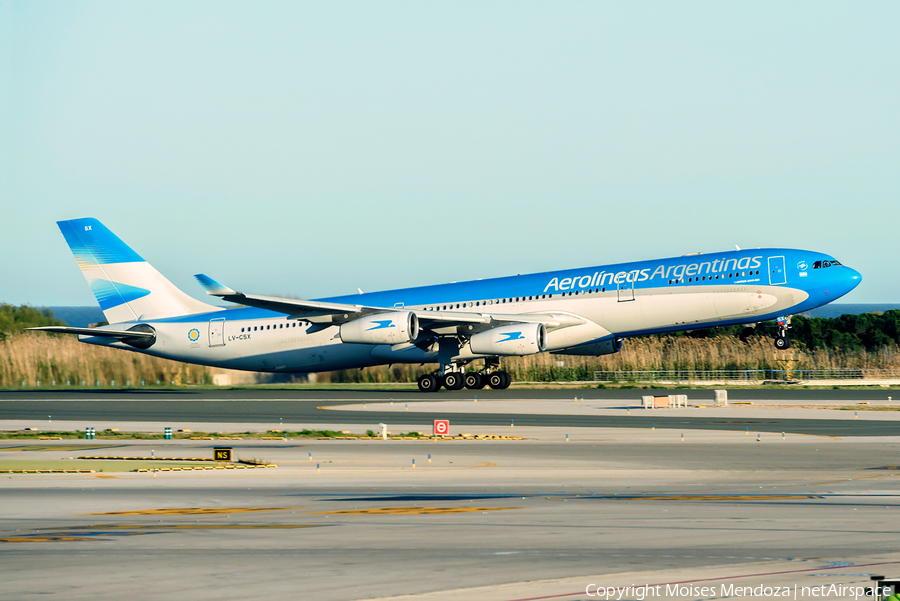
<point x="441" y="427"/>
<point x="222" y="453"/>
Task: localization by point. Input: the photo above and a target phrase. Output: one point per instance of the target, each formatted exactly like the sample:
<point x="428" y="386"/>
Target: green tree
<point x="15" y="319"/>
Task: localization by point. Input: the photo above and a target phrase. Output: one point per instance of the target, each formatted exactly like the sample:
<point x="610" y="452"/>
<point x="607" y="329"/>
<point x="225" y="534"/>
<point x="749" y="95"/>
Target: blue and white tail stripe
<point x="112" y="294"/>
<point x="124" y="284"/>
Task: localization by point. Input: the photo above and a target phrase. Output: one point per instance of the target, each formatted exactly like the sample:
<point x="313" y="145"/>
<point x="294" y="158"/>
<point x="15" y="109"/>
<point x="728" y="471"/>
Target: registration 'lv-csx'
<point x="586" y="311"/>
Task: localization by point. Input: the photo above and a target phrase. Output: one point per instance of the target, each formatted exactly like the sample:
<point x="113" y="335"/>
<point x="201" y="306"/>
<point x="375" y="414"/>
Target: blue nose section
<point x="845" y="280"/>
<point x="853" y="278"/>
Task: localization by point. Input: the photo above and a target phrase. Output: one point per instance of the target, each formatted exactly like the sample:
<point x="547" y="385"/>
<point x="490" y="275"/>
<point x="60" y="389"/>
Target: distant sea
<point x="78" y="317"/>
<point x="838" y="309"/>
<point x="82" y="317"/>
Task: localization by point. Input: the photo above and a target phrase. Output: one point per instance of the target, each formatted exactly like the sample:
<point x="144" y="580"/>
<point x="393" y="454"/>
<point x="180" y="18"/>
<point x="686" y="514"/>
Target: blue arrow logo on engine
<point x="380" y="325"/>
<point x="512" y="336"/>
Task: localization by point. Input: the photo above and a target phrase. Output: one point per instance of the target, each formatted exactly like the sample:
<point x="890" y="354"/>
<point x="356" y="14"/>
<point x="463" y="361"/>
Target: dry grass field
<point x="46" y="358"/>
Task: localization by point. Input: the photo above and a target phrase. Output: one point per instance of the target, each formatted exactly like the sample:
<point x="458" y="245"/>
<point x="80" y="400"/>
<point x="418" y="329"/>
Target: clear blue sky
<point x="310" y="148"/>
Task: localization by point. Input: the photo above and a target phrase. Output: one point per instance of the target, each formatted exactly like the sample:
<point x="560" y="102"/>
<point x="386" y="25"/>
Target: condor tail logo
<point x="511" y="336"/>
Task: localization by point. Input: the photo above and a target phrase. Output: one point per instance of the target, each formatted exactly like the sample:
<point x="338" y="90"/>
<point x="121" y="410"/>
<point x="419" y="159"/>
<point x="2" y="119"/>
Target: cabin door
<point x="626" y="291"/>
<point x="217" y="332"/>
<point x="777" y="274"/>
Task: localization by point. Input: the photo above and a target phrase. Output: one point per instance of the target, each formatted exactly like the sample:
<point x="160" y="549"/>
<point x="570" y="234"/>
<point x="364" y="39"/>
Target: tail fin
<point x="126" y="286"/>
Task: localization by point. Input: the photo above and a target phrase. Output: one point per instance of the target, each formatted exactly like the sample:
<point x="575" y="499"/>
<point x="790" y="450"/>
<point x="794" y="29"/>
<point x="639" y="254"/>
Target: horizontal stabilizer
<point x="95" y="332"/>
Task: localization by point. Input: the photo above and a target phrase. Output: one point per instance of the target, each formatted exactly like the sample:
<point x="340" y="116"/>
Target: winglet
<point x="213" y="287"/>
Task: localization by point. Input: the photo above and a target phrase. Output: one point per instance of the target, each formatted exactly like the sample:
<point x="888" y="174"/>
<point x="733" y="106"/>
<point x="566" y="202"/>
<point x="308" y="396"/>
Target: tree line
<point x="849" y="332"/>
<point x="15" y="319"/>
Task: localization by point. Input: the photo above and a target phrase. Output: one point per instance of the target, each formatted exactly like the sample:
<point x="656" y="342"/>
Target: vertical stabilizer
<point x="126" y="286"/>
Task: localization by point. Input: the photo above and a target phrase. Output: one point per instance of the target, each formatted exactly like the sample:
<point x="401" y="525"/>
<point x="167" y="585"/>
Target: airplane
<point x="584" y="311"/>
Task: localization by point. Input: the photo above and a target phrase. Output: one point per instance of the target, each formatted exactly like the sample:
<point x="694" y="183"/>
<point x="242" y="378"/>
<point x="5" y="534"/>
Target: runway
<point x="304" y="407"/>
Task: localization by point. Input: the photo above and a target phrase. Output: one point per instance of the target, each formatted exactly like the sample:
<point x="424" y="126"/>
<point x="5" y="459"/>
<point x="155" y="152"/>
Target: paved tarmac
<point x="339" y="520"/>
<point x="491" y="520"/>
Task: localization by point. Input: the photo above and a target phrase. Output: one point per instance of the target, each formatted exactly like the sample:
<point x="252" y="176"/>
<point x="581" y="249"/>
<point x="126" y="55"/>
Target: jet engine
<point x="519" y="339"/>
<point x="607" y="346"/>
<point x="382" y="328"/>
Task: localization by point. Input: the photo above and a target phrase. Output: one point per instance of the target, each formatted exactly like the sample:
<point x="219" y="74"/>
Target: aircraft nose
<point x="853" y="278"/>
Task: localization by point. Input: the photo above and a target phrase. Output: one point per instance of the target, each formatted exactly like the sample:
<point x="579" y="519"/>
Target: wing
<point x="300" y="309"/>
<point x="336" y="313"/>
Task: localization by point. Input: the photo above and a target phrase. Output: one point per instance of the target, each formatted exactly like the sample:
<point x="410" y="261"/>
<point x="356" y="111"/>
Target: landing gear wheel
<point x="496" y="380"/>
<point x="507" y="380"/>
<point x="782" y="343"/>
<point x="453" y="381"/>
<point x="473" y="381"/>
<point x="428" y="383"/>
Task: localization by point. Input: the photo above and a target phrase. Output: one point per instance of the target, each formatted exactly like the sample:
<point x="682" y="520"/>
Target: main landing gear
<point x="454" y="378"/>
<point x="782" y="342"/>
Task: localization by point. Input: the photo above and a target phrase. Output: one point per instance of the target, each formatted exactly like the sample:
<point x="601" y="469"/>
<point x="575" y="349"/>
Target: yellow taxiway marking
<point x="349" y="461"/>
<point x="819" y="435"/>
<point x="422" y="468"/>
<point x="45" y="539"/>
<point x="61" y="447"/>
<point x="410" y="510"/>
<point x="709" y="498"/>
<point x="475" y="467"/>
<point x="189" y="527"/>
<point x="850" y="479"/>
<point x="105" y="476"/>
<point x="193" y="511"/>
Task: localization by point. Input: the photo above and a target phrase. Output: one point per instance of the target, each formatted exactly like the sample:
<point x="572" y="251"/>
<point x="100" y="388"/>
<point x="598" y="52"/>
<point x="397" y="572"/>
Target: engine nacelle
<point x="607" y="346"/>
<point x="519" y="339"/>
<point x="382" y="328"/>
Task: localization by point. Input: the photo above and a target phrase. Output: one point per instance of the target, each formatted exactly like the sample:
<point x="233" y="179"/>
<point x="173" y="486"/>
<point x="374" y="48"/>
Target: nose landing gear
<point x="782" y="342"/>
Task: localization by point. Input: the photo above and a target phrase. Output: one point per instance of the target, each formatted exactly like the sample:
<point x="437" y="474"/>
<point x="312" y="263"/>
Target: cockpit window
<point x="824" y="264"/>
